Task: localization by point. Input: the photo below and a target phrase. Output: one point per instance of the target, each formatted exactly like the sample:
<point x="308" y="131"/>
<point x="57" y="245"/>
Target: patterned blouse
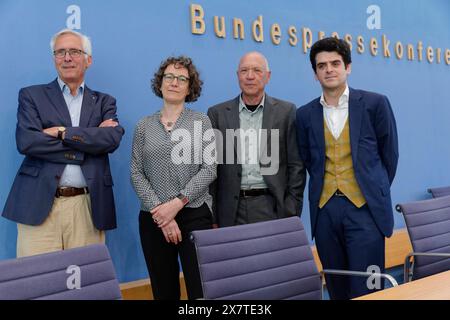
<point x="167" y="163"/>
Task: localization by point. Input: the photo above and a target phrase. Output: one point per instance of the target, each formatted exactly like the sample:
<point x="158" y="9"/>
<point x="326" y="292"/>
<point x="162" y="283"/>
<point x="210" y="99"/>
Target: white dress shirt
<point x="72" y="175"/>
<point x="336" y="116"/>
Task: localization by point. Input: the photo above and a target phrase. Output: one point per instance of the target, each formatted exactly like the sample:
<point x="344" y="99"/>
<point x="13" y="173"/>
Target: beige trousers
<point x="68" y="225"/>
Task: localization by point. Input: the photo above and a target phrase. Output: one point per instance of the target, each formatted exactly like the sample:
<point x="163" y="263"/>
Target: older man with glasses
<point x="261" y="177"/>
<point x="62" y="195"/>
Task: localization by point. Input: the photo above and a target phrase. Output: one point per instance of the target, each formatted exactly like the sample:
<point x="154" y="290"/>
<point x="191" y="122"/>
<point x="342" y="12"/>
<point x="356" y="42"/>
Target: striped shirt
<point x="167" y="163"/>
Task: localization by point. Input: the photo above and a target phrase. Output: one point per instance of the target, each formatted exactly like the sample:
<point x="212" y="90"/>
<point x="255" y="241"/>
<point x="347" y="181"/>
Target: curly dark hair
<point x="330" y="44"/>
<point x="195" y="84"/>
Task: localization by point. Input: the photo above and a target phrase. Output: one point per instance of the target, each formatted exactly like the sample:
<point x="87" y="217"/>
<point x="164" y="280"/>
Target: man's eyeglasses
<point x="74" y="53"/>
<point x="169" y="77"/>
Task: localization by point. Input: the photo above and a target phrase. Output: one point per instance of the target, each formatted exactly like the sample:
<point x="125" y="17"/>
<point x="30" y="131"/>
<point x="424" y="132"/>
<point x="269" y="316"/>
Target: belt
<point x="253" y="192"/>
<point x="70" y="191"/>
<point x="339" y="193"/>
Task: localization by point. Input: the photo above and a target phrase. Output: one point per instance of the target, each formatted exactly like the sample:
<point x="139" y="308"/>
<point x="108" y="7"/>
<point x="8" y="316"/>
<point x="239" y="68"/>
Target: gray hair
<point x="259" y="54"/>
<point x="86" y="42"/>
<point x="267" y="63"/>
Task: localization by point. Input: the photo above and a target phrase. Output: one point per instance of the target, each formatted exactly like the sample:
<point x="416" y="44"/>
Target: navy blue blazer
<point x="374" y="144"/>
<point x="42" y="106"/>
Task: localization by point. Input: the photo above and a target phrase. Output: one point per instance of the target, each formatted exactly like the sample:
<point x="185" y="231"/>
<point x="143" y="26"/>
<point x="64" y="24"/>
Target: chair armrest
<point x="360" y="274"/>
<point x="429" y="254"/>
<point x="407" y="264"/>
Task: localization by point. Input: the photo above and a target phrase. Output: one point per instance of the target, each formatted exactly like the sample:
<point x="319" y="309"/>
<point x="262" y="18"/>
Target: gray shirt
<point x="165" y="164"/>
<point x="250" y="145"/>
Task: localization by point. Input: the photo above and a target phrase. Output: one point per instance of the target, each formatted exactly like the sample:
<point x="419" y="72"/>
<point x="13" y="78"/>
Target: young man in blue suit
<point x="62" y="195"/>
<point x="348" y="141"/>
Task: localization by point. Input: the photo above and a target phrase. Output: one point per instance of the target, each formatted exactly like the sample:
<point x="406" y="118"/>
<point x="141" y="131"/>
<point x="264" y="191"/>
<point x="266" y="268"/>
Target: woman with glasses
<point x="171" y="173"/>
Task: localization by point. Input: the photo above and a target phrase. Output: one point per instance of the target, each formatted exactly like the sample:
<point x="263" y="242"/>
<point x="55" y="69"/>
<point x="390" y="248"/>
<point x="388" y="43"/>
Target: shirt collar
<point x="242" y="104"/>
<point x="63" y="86"/>
<point x="343" y="100"/>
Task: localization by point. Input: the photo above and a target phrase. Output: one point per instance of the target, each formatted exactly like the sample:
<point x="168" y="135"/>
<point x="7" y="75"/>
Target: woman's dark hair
<point x="330" y="44"/>
<point x="195" y="84"/>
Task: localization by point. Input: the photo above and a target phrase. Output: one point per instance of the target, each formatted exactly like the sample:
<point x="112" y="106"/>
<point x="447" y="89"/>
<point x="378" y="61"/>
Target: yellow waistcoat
<point x="339" y="173"/>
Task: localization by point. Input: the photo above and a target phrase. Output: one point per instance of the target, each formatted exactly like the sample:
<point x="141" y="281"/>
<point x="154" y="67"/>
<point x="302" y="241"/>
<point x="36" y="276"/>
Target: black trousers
<point x="347" y="238"/>
<point x="162" y="257"/>
<point x="256" y="209"/>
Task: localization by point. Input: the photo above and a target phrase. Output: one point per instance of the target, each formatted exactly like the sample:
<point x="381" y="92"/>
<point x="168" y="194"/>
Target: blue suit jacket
<point x="374" y="145"/>
<point x="42" y="106"/>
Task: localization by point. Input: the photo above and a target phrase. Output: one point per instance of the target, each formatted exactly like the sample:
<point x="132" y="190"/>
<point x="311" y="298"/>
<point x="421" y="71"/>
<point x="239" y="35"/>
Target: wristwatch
<point x="61" y="130"/>
<point x="183" y="199"/>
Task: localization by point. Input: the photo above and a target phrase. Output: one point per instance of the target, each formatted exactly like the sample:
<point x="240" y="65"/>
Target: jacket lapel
<point x="55" y="96"/>
<point x="232" y="116"/>
<point x="268" y="113"/>
<point x="317" y="123"/>
<point x="355" y="111"/>
<point x="267" y="123"/>
<point x="87" y="107"/>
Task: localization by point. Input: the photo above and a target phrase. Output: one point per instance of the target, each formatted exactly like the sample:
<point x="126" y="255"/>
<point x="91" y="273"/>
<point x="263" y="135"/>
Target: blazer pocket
<point x="29" y="170"/>
<point x="107" y="180"/>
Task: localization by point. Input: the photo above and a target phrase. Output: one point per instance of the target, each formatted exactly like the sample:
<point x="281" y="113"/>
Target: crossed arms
<point x="35" y="139"/>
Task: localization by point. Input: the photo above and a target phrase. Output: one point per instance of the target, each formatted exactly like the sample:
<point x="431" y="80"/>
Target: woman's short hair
<point x="195" y="84"/>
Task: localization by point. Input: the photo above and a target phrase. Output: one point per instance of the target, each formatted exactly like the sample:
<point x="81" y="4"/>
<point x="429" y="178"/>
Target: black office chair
<point x="439" y="192"/>
<point x="269" y="260"/>
<point x="428" y="225"/>
<point x="85" y="273"/>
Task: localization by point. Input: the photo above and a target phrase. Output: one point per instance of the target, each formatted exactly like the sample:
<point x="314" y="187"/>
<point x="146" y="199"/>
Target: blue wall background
<point x="131" y="38"/>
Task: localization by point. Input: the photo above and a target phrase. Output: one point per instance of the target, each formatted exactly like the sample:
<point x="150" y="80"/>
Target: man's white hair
<point x="259" y="54"/>
<point x="86" y="42"/>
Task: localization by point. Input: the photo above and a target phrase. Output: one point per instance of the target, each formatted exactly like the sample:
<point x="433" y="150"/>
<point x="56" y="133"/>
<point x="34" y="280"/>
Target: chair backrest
<point x="439" y="192"/>
<point x="55" y="275"/>
<point x="428" y="224"/>
<point x="264" y="260"/>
